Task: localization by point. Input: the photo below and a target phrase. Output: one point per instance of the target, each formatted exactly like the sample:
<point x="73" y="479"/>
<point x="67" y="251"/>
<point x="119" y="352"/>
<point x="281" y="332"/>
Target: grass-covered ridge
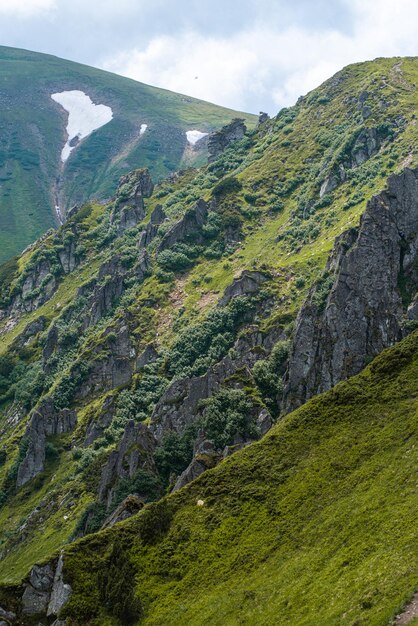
<point x="313" y="525"/>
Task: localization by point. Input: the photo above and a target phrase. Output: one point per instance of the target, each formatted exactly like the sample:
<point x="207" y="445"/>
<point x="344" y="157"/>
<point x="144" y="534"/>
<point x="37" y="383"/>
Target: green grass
<point x="313" y="525"/>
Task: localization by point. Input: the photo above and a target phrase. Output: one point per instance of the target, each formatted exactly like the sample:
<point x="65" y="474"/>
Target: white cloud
<point x="267" y="64"/>
<point x="25" y="8"/>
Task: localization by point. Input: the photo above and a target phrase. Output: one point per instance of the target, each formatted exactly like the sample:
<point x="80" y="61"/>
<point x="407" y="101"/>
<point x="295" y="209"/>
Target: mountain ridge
<point x="150" y="338"/>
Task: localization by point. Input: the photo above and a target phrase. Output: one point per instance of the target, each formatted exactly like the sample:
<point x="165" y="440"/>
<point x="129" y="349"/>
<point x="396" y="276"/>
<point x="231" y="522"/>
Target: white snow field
<point x="193" y="136"/>
<point x="83" y="117"/>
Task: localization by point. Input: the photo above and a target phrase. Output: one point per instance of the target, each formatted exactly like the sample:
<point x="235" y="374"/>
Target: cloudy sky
<point x="246" y="54"/>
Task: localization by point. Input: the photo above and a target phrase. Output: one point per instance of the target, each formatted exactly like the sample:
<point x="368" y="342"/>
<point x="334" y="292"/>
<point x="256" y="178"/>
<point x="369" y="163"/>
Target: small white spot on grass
<point x="83" y="117"/>
<point x="193" y="136"/>
<point x="143" y="129"/>
<point x="200" y="503"/>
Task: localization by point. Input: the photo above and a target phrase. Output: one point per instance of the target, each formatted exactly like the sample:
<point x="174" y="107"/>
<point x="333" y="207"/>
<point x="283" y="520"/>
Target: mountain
<point x="115" y="124"/>
<point x="163" y="357"/>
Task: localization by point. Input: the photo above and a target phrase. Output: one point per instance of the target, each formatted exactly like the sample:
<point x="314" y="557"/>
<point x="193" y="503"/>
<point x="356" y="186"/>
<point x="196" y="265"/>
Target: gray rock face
<point x="42" y="577"/>
<point x="221" y="139"/>
<point x="111" y="369"/>
<point x="41" y="282"/>
<point x="151" y="229"/>
<point x="263" y="118"/>
<point x="264" y="422"/>
<point x="362" y="313"/>
<point x="129" y="204"/>
<point x="158" y="216"/>
<point x="135" y="451"/>
<point x="149" y="355"/>
<point x="102" y="293"/>
<point x="61" y="591"/>
<point x="189" y="226"/>
<point x="96" y="428"/>
<point x="249" y="282"/>
<point x="30" y="332"/>
<point x="45" y="422"/>
<point x="45" y="593"/>
<point x="205" y="457"/>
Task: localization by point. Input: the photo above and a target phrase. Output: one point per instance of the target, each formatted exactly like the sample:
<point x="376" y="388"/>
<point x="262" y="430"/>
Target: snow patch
<point x="193" y="136"/>
<point x="143" y="129"/>
<point x="83" y="117"/>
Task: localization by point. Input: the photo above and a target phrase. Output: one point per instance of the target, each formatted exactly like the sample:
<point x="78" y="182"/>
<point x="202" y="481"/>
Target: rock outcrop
<point x="45" y="592"/>
<point x="134" y="452"/>
<point x="246" y="284"/>
<point x="45" y="421"/>
<point x="107" y="369"/>
<point x="358" y="309"/>
<point x="179" y="405"/>
<point x="130" y="506"/>
<point x="40" y="281"/>
<point x="364" y="144"/>
<point x="97" y="426"/>
<point x="129" y="208"/>
<point x="188" y="227"/>
<point x="205" y="456"/>
<point x="221" y="139"/>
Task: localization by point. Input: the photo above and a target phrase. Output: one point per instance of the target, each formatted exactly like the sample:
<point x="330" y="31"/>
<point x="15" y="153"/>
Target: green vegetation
<point x="92" y="322"/>
<point x="323" y="507"/>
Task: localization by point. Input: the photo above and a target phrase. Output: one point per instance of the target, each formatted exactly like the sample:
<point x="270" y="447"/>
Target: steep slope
<point x="115" y="125"/>
<point x="314" y="525"/>
<point x="152" y="336"/>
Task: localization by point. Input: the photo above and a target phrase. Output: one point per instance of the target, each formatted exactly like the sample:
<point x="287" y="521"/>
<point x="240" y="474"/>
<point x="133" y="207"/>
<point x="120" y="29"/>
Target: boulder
<point x="61" y="591"/>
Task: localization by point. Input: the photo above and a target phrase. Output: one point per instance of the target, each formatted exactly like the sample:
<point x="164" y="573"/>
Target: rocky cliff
<point x="360" y="305"/>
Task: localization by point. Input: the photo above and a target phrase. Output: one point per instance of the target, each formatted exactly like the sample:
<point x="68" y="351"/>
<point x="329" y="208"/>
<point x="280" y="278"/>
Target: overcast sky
<point x="246" y="54"/>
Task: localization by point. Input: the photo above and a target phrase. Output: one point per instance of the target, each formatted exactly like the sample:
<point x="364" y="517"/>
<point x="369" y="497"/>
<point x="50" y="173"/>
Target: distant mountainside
<point x="152" y="337"/>
<point x="142" y="126"/>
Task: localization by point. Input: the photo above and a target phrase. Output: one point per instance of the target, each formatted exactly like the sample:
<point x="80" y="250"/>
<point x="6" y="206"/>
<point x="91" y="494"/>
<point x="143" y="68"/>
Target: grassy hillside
<point x="272" y="218"/>
<point x="32" y="130"/>
<point x="313" y="525"/>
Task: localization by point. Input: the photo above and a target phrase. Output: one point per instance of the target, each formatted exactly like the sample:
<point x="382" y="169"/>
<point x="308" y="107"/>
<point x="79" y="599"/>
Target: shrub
<point x="175" y="453"/>
<point x="204" y="343"/>
<point x="144" y="484"/>
<point x="227" y="185"/>
<point x="173" y="261"/>
<point x="227" y="413"/>
<point x="268" y="375"/>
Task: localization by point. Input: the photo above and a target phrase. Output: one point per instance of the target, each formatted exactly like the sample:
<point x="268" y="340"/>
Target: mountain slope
<point x="313" y="525"/>
<point x="147" y="129"/>
<point x="154" y="335"/>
